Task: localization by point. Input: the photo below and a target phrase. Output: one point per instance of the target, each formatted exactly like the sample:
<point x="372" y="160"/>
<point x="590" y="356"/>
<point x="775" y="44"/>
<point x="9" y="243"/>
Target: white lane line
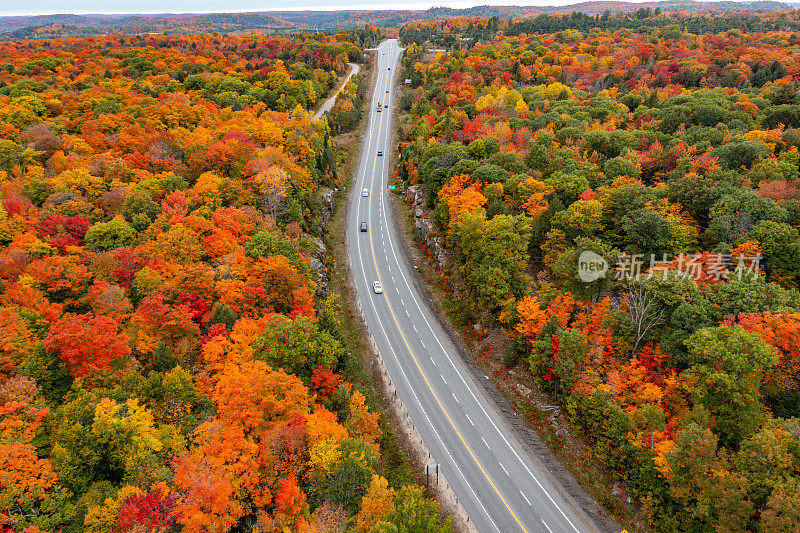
<point x="406" y="310"/>
<point x="432" y="361"/>
<point x="408" y="381"/>
<point x="504" y="468"/>
<point x="412" y="325"/>
<point x="413" y="392"/>
<point x="545" y="524"/>
<point x="402" y="302"/>
<point x="456" y="399"/>
<point x="445" y="381"/>
<point x="486" y="443"/>
<point x="471" y="392"/>
<point x="393" y="282"/>
<point x="470" y="420"/>
<point x="526" y="498"/>
<point x="422" y="343"/>
<point x="425" y="414"/>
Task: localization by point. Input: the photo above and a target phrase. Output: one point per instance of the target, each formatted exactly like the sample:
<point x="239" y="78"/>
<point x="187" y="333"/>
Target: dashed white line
<point x="470" y="420"/>
<point x="393" y="282"/>
<point x="504" y="468"/>
<point x="456" y="399"/>
<point x="445" y="381"/>
<point x="527" y="500"/>
<point x="486" y="443"/>
<point x="406" y="310"/>
<point x="412" y="325"/>
<point x="545" y="524"/>
<point x="432" y="361"/>
<point x="422" y="343"/>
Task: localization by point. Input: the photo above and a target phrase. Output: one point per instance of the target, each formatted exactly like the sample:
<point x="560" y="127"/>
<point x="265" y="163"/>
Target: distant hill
<point x="324" y="19"/>
<point x="65" y="25"/>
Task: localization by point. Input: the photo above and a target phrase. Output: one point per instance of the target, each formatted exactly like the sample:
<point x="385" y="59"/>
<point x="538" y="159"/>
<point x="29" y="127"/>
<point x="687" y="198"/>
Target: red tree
<point x="86" y="342"/>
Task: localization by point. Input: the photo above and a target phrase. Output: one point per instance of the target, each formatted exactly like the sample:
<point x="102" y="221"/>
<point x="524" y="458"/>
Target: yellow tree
<point x="377" y="503"/>
<point x="461" y="198"/>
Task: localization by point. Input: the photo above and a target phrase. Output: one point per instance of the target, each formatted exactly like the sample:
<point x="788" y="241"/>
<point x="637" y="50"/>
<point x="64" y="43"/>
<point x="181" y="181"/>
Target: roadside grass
<point x="395" y="463"/>
<point x="572" y="452"/>
<point x="459" y="312"/>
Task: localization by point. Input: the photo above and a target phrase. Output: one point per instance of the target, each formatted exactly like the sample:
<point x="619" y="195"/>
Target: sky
<point x="39" y="7"/>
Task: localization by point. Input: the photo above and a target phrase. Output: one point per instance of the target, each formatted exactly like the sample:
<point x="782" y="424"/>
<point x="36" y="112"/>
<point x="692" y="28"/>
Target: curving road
<point x="328" y="104"/>
<point x="502" y="489"/>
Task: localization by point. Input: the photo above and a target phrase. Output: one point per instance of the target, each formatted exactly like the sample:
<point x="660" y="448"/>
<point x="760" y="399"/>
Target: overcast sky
<point x="36" y="7"/>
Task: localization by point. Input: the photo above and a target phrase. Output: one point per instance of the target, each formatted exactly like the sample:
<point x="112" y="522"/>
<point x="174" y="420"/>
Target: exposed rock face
<point x="318" y="263"/>
<point x="328" y="197"/>
<point x="423" y="225"/>
<point x="319" y="254"/>
<point x="415" y="192"/>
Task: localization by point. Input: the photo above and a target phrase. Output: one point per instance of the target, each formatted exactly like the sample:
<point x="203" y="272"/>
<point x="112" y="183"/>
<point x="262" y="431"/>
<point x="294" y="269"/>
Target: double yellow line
<point x="411" y="352"/>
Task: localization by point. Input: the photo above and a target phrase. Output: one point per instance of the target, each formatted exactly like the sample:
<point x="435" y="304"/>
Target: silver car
<point x="364" y="192"/>
<point x="376" y="286"/>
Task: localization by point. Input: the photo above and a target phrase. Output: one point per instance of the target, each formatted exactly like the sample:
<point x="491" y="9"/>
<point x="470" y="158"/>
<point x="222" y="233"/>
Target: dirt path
<point x="328" y="104"/>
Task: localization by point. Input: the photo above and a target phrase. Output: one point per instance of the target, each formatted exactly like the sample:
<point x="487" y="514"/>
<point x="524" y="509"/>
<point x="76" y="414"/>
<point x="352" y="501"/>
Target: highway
<point x="501" y="487"/>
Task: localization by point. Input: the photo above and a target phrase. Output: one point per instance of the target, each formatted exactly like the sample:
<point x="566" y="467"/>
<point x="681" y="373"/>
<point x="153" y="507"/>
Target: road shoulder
<point x="530" y="441"/>
<point x="360" y="341"/>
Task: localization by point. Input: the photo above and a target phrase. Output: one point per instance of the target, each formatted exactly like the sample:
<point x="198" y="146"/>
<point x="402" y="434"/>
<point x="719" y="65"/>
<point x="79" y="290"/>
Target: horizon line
<point x="414" y="6"/>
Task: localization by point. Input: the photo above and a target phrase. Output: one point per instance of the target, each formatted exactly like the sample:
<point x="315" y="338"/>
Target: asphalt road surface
<point x="328" y="104"/>
<point x="501" y="487"/>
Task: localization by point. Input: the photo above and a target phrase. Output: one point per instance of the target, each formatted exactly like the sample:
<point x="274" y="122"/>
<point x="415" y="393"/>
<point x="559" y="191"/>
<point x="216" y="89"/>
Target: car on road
<point x="387" y="91"/>
<point x="390" y="68"/>
<point x="386" y="105"/>
<point x="376" y="286"/>
<point x="363" y="225"/>
<point x="380" y="152"/>
<point x="364" y="192"/>
<point x="379" y="110"/>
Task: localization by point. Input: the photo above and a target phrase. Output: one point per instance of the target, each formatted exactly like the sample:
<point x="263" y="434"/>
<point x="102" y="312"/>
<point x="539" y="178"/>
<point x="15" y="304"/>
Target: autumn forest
<point x="615" y="197"/>
<point x="669" y="153"/>
<point x="171" y="354"/>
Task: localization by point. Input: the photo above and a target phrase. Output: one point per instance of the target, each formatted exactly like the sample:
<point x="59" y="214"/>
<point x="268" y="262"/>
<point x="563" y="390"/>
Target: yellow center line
<point x="411" y="352"/>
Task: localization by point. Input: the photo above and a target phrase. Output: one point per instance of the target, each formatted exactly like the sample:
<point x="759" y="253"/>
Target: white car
<point x="364" y="193"/>
<point x="380" y="152"/>
<point x="376" y="286"/>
